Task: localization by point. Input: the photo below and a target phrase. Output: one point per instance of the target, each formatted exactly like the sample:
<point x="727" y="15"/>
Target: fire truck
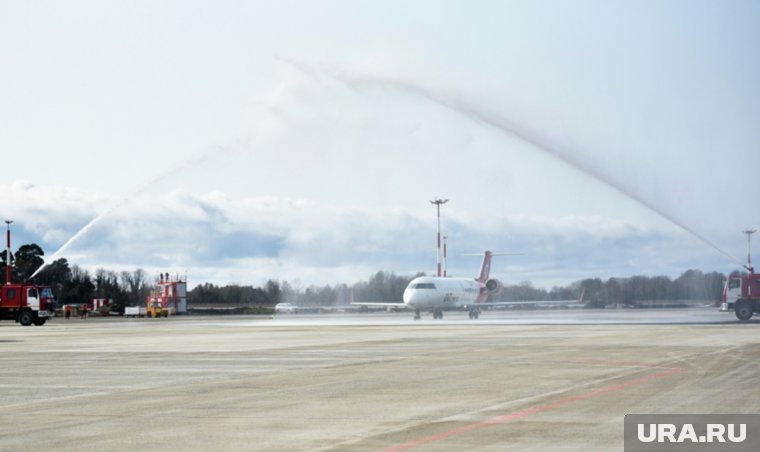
<point x="25" y="303"/>
<point x="742" y="295"/>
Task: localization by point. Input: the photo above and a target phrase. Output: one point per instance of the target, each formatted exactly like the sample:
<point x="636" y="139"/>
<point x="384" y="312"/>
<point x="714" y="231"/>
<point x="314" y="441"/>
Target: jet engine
<point x="494" y="286"/>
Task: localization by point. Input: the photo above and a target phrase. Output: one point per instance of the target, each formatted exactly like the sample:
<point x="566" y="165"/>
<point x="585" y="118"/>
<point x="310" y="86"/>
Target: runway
<point x="527" y="380"/>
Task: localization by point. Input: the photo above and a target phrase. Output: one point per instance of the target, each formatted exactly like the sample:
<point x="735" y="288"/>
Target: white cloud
<point x="219" y="239"/>
<point x="45" y="211"/>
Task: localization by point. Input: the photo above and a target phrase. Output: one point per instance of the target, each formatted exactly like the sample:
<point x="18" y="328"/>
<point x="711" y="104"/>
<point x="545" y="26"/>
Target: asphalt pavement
<point x="512" y="380"/>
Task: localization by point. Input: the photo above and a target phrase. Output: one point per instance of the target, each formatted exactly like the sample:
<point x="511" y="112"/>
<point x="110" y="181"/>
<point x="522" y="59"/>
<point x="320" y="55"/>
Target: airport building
<point x="171" y="293"/>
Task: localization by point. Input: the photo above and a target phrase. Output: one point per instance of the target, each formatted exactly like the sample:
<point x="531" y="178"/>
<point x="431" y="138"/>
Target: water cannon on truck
<point x="23" y="302"/>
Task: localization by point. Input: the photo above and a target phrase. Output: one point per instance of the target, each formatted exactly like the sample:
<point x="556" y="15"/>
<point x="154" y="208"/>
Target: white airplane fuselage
<point x="428" y="293"/>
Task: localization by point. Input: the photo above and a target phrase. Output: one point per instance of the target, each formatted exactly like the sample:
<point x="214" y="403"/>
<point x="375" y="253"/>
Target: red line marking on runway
<point x="530" y="411"/>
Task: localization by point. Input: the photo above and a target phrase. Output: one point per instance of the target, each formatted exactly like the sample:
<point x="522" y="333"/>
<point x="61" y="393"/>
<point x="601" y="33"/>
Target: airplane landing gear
<point x="417" y="314"/>
<point x="438" y="314"/>
<point x="474" y="313"/>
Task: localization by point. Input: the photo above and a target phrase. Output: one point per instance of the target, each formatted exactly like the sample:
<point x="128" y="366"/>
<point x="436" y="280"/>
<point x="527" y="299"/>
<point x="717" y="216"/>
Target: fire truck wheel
<point x="40" y="322"/>
<point x="25" y="318"/>
<point x="743" y="310"/>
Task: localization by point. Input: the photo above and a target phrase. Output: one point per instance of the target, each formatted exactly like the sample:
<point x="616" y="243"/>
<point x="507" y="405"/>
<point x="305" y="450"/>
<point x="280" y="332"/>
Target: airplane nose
<point x="408" y="297"/>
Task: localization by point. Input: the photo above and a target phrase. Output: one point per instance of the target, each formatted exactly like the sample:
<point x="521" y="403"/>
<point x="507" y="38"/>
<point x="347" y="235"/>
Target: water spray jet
<point x="475" y="113"/>
<point x="141" y="189"/>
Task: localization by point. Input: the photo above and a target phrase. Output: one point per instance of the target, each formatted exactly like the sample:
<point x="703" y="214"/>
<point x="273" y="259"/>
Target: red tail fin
<point x="485" y="267"/>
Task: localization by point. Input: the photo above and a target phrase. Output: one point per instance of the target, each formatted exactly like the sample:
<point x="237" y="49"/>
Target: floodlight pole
<point x="444" y="255"/>
<point x="749" y="233"/>
<point x="8" y="252"/>
<point x="438" y="203"/>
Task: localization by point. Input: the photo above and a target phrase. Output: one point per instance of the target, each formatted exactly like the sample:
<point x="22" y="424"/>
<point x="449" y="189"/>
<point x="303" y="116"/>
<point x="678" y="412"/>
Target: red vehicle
<point x="742" y="295"/>
<point x="24" y="303"/>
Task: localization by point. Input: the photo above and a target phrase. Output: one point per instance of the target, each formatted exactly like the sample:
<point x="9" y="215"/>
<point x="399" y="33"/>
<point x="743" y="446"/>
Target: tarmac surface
<point x="512" y="380"/>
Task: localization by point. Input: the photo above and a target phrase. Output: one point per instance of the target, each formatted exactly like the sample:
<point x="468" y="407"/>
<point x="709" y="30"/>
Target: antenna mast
<point x="444" y="255"/>
<point x="8" y="253"/>
<point x="438" y="203"/>
<point x="749" y="233"/>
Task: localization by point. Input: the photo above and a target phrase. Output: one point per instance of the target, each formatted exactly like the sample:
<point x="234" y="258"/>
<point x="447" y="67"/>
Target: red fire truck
<point x="25" y="303"/>
<point x="742" y="295"/>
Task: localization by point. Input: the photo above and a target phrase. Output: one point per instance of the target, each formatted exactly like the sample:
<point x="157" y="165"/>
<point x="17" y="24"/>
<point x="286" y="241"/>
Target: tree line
<point x="74" y="285"/>
<point x="382" y="286"/>
<point x="634" y="291"/>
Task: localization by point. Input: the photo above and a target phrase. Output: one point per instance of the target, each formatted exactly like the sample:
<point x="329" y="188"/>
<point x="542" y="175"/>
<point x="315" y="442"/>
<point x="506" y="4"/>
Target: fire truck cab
<point x="742" y="295"/>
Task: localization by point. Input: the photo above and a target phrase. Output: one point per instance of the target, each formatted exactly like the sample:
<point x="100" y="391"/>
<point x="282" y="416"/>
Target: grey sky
<point x="238" y="165"/>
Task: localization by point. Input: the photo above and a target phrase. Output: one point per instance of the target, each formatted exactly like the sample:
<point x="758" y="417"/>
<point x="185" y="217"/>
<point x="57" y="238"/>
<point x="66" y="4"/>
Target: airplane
<point x="438" y="294"/>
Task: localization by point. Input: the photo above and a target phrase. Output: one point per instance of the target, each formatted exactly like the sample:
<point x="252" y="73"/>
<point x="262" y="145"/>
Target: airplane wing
<point x="378" y="304"/>
<point x="579" y="300"/>
<point x="374" y="304"/>
<point x="315" y="309"/>
<point x="525" y="302"/>
<point x="337" y="308"/>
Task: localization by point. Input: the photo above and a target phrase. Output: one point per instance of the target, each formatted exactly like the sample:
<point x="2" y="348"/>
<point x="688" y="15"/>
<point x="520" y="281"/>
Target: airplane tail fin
<point x="485" y="267"/>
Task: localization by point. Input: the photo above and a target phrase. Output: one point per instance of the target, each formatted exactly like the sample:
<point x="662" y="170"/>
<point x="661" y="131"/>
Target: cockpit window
<point x="423" y="286"/>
